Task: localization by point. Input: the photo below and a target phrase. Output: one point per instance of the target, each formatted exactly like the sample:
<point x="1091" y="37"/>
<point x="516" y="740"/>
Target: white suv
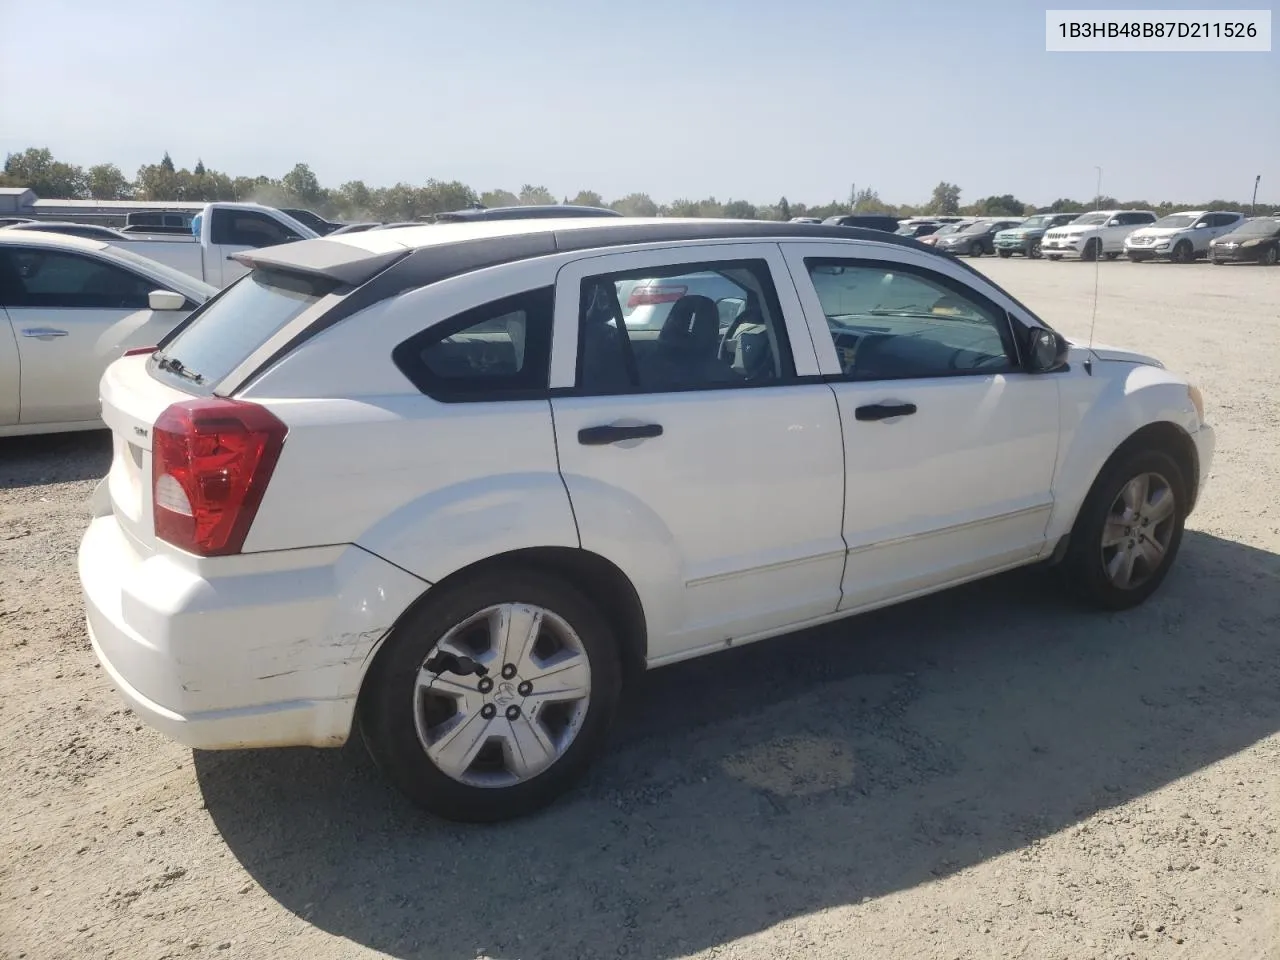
<point x="1093" y="235"/>
<point x="1181" y="237"/>
<point x="427" y="484"/>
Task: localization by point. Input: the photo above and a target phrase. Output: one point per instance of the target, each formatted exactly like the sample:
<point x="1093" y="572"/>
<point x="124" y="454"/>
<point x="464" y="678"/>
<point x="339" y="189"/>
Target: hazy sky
<point x="677" y="98"/>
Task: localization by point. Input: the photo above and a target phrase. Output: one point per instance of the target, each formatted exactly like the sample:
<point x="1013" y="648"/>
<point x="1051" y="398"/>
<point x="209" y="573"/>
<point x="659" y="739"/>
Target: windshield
<point x="1262" y="227"/>
<point x="977" y="228"/>
<point x="1176" y="220"/>
<point x="245" y="317"/>
<point x="1088" y="218"/>
<point x="1036" y="222"/>
<point x="182" y="282"/>
<point x="950" y="228"/>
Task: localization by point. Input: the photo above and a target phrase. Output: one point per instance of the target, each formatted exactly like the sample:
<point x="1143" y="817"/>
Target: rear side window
<point x="248" y="228"/>
<point x="498" y="351"/>
<point x="31" y="277"/>
<point x="234" y="325"/>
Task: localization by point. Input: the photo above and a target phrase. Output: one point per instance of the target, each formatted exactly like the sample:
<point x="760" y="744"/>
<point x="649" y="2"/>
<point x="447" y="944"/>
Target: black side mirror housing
<point x="1047" y="351"/>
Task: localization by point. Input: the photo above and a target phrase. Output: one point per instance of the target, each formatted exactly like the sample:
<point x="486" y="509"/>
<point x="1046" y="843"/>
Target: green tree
<point x="105" y="181"/>
<point x="740" y="210"/>
<point x="636" y="205"/>
<point x="588" y="198"/>
<point x="531" y="195"/>
<point x="199" y="171"/>
<point x="867" y="200"/>
<point x="166" y="162"/>
<point x="945" y="200"/>
<point x="154" y="182"/>
<point x="1005" y="205"/>
<point x="784" y="210"/>
<point x="499" y="198"/>
<point x="36" y="169"/>
<point x="1063" y="205"/>
<point x="302" y="185"/>
<point x="440" y="197"/>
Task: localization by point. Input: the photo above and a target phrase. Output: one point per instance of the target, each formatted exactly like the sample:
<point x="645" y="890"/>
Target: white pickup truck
<point x="219" y="231"/>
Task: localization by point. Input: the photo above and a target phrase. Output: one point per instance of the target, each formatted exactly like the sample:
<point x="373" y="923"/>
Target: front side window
<point x="687" y="327"/>
<point x="248" y="228"/>
<point x="890" y="322"/>
<point x="498" y="351"/>
<point x="32" y="277"/>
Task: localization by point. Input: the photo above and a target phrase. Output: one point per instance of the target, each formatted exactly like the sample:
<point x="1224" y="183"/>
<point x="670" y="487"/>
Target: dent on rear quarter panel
<point x="1098" y="414"/>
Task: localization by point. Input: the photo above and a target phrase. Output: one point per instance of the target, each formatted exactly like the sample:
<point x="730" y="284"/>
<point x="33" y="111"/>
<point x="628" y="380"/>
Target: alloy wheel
<point x="502" y="695"/>
<point x="1138" y="531"/>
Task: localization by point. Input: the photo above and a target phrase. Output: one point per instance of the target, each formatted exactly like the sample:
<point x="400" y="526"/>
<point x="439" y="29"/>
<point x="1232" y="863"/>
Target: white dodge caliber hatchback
<point x="427" y="484"/>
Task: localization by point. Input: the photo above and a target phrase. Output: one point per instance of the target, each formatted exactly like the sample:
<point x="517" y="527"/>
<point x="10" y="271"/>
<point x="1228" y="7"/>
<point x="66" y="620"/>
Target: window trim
<point x="674" y="269"/>
<point x="1007" y="329"/>
<point x="538" y="301"/>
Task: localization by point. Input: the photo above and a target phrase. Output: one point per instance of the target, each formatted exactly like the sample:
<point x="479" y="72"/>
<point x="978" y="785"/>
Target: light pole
<point x="1097" y="197"/>
<point x="1254" y="203"/>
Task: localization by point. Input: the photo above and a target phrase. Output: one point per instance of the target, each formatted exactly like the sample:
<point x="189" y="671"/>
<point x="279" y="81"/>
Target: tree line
<point x="37" y="169"/>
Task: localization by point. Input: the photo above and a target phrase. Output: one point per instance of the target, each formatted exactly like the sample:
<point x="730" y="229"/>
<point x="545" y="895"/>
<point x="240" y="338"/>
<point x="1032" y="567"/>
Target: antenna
<point x="1097" y="268"/>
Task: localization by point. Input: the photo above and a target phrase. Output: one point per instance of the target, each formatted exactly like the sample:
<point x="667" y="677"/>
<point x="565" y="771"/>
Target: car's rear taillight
<point x="211" y="460"/>
<point x="647" y="294"/>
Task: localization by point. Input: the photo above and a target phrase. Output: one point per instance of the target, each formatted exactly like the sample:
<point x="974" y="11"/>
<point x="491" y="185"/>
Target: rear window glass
<point x="229" y="329"/>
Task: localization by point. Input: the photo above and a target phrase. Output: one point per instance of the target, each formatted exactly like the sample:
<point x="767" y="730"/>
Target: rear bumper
<point x="251" y="651"/>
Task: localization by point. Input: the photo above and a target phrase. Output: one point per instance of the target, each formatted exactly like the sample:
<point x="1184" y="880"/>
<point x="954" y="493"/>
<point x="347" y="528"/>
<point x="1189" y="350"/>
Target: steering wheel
<point x="728" y="334"/>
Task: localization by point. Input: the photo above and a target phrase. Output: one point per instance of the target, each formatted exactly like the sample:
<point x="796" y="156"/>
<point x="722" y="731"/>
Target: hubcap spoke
<point x="527" y="748"/>
<point x="567" y="680"/>
<point x="1114" y="533"/>
<point x="454" y="751"/>
<point x="1121" y="568"/>
<point x="1135" y="495"/>
<point x="1161" y="506"/>
<point x="516" y="630"/>
<point x="1152" y="552"/>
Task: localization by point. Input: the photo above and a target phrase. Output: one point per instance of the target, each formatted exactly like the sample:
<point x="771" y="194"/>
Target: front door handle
<point x="884" y="411"/>
<point x="43" y="333"/>
<point x="599" y="436"/>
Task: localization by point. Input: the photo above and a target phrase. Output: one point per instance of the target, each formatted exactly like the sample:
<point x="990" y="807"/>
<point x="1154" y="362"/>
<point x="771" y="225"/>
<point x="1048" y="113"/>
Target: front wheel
<point x="1128" y="531"/>
<point x="1055" y="256"/>
<point x="490" y="698"/>
<point x="1269" y="257"/>
<point x="1112" y="256"/>
<point x="1034" y="250"/>
<point x="975" y="250"/>
<point x="1183" y="252"/>
<point x="1091" y="250"/>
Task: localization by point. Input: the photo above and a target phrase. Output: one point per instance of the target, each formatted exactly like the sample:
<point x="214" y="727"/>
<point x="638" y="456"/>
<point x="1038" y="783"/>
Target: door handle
<point x="43" y="333"/>
<point x="884" y="411"/>
<point x="599" y="436"/>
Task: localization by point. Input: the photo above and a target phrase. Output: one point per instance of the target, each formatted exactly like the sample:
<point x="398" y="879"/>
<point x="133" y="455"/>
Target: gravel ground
<point x="985" y="773"/>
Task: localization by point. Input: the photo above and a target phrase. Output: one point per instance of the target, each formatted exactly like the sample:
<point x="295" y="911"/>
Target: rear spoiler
<point x="341" y="262"/>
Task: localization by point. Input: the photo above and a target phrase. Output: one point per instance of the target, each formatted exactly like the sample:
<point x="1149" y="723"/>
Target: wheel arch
<point x="598" y="579"/>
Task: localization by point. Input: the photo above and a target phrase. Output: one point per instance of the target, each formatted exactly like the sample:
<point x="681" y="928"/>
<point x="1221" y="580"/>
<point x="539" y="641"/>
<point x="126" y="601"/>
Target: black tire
<point x="1083" y="564"/>
<point x="975" y="249"/>
<point x="1112" y="256"/>
<point x="1005" y="254"/>
<point x="1055" y="256"/>
<point x="1269" y="256"/>
<point x="387" y="703"/>
<point x="1183" y="252"/>
<point x="1033" y="251"/>
<point x="1092" y="249"/>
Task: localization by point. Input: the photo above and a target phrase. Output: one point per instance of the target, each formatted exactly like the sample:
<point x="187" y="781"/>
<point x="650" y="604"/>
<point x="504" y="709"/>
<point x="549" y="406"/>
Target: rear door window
<point x="235" y="324"/>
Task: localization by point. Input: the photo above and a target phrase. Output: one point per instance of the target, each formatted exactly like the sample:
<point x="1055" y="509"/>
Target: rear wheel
<point x="1128" y="531"/>
<point x="1091" y="249"/>
<point x="491" y="697"/>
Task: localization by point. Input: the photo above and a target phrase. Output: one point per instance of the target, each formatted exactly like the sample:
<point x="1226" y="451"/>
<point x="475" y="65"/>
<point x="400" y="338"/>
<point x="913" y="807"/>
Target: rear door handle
<point x="43" y="333"/>
<point x="599" y="436"/>
<point x="884" y="411"/>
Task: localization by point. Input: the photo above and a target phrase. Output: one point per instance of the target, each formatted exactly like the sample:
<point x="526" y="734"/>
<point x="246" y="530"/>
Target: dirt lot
<point x="986" y="773"/>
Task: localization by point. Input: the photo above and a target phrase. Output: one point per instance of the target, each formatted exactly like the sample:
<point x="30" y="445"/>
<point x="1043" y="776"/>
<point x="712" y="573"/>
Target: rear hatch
<point x="194" y="363"/>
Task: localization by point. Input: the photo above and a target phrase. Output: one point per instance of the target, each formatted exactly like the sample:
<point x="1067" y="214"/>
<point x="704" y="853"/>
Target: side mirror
<point x="1048" y="351"/>
<point x="165" y="300"/>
